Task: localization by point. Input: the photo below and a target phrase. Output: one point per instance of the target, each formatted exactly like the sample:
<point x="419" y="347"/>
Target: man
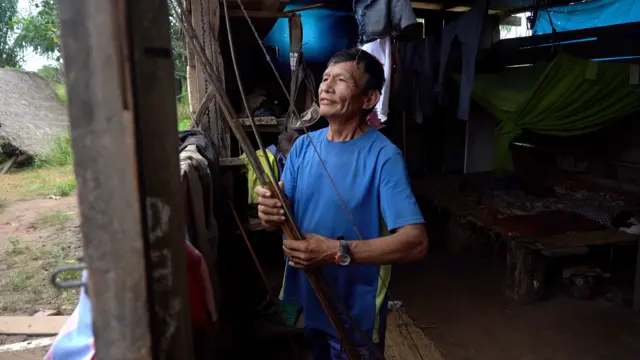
<point x="371" y="177"/>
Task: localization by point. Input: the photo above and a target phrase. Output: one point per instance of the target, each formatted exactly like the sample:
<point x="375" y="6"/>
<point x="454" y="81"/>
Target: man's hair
<point x="370" y="65"/>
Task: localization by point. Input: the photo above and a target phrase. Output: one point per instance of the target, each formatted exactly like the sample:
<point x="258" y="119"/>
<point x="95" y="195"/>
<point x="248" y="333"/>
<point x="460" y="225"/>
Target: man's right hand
<point x="270" y="209"/>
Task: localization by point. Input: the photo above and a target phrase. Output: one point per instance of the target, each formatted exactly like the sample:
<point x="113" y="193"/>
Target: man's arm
<point x="407" y="244"/>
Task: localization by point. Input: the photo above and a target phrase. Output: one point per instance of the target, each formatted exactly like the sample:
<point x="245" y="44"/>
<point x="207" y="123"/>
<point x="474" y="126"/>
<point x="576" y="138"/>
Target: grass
<point x="39" y="182"/>
<point x="184" y="113"/>
<point x="61" y="153"/>
<point x="25" y="273"/>
<point x="54" y="218"/>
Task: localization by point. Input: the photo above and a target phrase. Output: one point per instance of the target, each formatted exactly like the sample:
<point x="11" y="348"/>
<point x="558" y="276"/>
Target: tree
<point x="40" y="29"/>
<point x="178" y="48"/>
<point x="10" y="55"/>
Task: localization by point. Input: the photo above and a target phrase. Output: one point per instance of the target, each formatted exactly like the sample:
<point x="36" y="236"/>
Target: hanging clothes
<point x="416" y="75"/>
<point x="197" y="191"/>
<point x="381" y="49"/>
<point x="381" y="18"/>
<point x="252" y="178"/>
<point x="468" y="29"/>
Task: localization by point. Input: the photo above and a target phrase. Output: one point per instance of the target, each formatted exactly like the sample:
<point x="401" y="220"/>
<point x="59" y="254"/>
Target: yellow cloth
<point x="252" y="179"/>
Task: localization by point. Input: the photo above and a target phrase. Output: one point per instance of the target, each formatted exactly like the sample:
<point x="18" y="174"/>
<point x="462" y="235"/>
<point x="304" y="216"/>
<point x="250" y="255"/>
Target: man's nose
<point x="326" y="86"/>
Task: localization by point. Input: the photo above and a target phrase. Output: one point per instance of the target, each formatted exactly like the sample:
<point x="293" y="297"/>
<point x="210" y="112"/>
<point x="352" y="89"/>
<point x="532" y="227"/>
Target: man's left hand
<point x="314" y="251"/>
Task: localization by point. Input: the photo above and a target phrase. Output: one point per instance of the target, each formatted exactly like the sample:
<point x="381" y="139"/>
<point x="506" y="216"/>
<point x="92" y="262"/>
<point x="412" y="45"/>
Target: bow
<point x="316" y="278"/>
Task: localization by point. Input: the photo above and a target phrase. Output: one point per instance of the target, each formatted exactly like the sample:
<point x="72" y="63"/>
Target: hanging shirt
<point x="468" y="29"/>
<point x="370" y="174"/>
<point x="381" y="49"/>
<point x="252" y="178"/>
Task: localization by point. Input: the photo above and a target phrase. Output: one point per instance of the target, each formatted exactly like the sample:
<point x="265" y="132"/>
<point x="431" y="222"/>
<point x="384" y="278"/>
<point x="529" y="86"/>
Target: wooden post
<point x="192" y="81"/>
<point x="206" y="22"/>
<point x="117" y="58"/>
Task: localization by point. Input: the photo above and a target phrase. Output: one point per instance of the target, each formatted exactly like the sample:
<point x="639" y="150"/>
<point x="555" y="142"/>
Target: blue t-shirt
<point x="370" y="174"/>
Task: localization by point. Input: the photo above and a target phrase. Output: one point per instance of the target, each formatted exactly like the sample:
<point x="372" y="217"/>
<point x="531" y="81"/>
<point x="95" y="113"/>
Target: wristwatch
<point x="342" y="257"/>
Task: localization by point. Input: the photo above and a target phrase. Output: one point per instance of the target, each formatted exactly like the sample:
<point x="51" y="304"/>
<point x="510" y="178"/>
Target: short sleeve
<point x="290" y="172"/>
<point x="397" y="202"/>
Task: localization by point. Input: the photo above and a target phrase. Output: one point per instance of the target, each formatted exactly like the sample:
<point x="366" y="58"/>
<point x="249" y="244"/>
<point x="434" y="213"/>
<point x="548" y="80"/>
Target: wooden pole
<point x="205" y="15"/>
<point x="192" y="81"/>
<point x="117" y="58"/>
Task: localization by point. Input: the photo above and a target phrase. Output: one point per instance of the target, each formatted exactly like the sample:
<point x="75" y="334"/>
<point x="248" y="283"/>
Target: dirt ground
<point x="458" y="299"/>
<point x="36" y="237"/>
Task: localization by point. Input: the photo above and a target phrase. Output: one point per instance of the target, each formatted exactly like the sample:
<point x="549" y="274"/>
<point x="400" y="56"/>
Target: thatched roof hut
<point x="31" y="114"/>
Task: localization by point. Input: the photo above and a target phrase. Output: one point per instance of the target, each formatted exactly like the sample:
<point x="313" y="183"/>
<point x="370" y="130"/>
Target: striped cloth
<point x="75" y="340"/>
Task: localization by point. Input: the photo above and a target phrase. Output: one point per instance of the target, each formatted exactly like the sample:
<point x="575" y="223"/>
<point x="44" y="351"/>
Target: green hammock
<point x="569" y="96"/>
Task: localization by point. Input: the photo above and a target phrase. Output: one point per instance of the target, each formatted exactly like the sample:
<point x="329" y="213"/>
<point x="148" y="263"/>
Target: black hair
<point x="370" y="65"/>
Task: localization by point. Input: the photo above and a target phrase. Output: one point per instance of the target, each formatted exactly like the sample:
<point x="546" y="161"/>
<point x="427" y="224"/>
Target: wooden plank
<point x="26" y="345"/>
<point x="102" y="138"/>
<point x="31" y="325"/>
<point x="231" y="161"/>
<point x="262" y="120"/>
<point x="160" y="187"/>
<point x="206" y="21"/>
<point x="406" y="341"/>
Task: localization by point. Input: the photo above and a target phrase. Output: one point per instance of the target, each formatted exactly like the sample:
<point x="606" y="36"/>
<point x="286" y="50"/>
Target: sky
<point x="32" y="62"/>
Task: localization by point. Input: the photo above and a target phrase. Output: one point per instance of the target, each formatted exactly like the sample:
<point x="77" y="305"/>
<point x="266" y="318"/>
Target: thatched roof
<point x="31" y="114"/>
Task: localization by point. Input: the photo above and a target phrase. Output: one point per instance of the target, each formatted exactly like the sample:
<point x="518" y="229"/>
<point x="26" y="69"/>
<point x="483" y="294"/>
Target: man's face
<point x="340" y="91"/>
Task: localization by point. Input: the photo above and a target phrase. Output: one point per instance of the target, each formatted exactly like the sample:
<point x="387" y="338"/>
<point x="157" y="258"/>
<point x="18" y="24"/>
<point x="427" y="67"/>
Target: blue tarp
<point x="587" y="14"/>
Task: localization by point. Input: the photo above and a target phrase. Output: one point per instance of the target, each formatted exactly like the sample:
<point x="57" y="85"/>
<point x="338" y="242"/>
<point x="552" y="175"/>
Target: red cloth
<point x="201" y="303"/>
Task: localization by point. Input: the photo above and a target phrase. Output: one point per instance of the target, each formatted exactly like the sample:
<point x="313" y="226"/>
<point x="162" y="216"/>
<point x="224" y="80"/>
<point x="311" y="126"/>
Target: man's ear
<point x="371" y="99"/>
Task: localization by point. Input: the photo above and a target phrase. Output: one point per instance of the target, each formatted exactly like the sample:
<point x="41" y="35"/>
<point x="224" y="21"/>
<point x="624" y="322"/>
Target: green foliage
<point x="10" y="55"/>
<point x="55" y="76"/>
<point x="39" y="30"/>
<point x="60" y="154"/>
<point x="184" y="112"/>
<point x="178" y="48"/>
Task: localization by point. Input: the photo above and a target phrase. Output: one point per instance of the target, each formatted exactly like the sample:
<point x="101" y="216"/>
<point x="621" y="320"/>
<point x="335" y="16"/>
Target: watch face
<point x="344" y="259"/>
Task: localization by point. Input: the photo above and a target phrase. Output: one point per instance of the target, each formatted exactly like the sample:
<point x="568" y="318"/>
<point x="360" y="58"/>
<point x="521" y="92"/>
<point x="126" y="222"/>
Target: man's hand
<point x="314" y="251"/>
<point x="270" y="209"/>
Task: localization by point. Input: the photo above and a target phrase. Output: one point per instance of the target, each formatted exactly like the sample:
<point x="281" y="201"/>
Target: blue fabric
<point x="75" y="340"/>
<point x="371" y="176"/>
<point x="588" y="14"/>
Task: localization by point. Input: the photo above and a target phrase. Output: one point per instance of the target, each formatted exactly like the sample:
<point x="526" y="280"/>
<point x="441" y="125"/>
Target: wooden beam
<point x="122" y="114"/>
<point x="102" y="138"/>
<point x="31" y="325"/>
<point x="425" y="5"/>
<point x="302" y="8"/>
<point x="161" y="204"/>
<point x="259" y="14"/>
